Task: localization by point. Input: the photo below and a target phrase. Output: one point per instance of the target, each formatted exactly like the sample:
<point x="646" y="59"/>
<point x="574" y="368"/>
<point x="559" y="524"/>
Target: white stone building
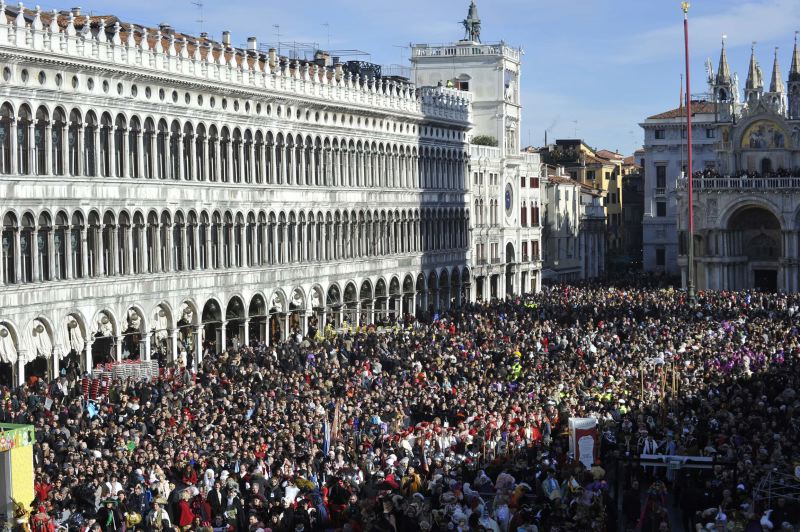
<point x="746" y="181"/>
<point x="506" y="185"/>
<point x="165" y="191"/>
<point x="574" y="229"/>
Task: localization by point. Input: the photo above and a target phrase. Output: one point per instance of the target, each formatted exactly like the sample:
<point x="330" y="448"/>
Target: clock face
<point x="509" y="198"/>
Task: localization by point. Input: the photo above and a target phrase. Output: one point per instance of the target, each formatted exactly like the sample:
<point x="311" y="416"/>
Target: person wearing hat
<point x="158" y="519"/>
<point x="109" y="517"/>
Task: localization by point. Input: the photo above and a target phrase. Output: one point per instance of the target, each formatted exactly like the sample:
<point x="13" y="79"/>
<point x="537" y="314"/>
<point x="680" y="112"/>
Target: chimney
<point x="76" y="11"/>
<point x="204" y="35"/>
<point x="252" y="44"/>
<point x="273" y="58"/>
<point x="165" y="28"/>
<point x="226" y="39"/>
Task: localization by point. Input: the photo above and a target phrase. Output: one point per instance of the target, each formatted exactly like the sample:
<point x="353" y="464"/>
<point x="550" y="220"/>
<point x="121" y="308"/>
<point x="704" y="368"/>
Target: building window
<point x="534" y="182"/>
<point x="476" y="178"/>
<point x="661" y="176"/>
<point x="660" y="134"/>
<point x="590" y="175"/>
<point x="711" y="133"/>
<point x="661" y="209"/>
<point x="683" y="132"/>
<point x="522" y="182"/>
<point x="661" y="257"/>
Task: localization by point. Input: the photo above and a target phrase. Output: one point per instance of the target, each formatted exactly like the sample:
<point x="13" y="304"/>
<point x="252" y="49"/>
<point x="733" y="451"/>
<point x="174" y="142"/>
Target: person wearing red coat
<point x="185" y="514"/>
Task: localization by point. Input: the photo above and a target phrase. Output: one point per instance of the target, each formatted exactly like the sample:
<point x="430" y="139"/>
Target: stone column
<point x="201" y="166"/>
<point x="128" y="245"/>
<point x="20" y="368"/>
<point x="247" y="332"/>
<point x="184" y="249"/>
<point x="83" y="241"/>
<point x="88" y="358"/>
<point x="192" y="169"/>
<point x="198" y="346"/>
<point x="224" y="331"/>
<point x="148" y="349"/>
<point x="51" y="253"/>
<point x="124" y="152"/>
<point x="156" y="268"/>
<point x="118" y="345"/>
<point x="173" y="337"/>
<point x="48" y="150"/>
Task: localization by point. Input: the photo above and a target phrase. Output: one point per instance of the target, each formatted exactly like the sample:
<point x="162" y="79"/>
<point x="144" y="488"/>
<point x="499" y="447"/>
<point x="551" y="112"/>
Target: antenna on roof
<point x="328" y="28"/>
<point x="201" y="20"/>
<point x="278" y="37"/>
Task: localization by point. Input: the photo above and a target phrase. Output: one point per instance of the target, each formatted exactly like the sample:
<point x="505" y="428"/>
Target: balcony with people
<point x="711" y="179"/>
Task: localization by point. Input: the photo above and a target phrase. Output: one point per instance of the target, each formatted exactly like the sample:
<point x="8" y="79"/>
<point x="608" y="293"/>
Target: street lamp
<point x="690" y="266"/>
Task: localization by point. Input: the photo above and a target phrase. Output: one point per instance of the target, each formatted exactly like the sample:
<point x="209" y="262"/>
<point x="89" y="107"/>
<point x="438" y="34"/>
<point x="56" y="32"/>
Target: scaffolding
<point x="776" y="485"/>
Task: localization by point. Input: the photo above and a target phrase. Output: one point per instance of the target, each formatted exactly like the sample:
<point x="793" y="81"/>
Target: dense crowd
<point x="711" y="173"/>
<point x="459" y="424"/>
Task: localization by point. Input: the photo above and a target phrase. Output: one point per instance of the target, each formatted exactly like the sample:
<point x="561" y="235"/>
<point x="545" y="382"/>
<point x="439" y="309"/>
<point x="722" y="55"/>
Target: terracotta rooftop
<point x="608" y="154"/>
<point x="698" y="107"/>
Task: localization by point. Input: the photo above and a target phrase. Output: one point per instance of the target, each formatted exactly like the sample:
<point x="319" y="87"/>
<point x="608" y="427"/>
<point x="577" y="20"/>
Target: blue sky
<point x="606" y="64"/>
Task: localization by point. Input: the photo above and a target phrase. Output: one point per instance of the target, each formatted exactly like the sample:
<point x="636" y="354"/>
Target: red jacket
<point x="185" y="515"/>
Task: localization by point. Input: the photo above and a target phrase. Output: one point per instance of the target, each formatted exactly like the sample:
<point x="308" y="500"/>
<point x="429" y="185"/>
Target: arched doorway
<point x="188" y="334"/>
<point x="257" y="313"/>
<point x="104" y="344"/>
<point x="277" y="318"/>
<point x="394" y="299"/>
<point x="132" y="335"/>
<point x="350" y="304"/>
<point x="466" y="285"/>
<point x="408" y="296"/>
<point x="421" y="304"/>
<point x="8" y="353"/>
<point x="235" y="317"/>
<point x="317" y="319"/>
<point x="365" y="297"/>
<point x="432" y="298"/>
<point x="455" y="289"/>
<point x="333" y="306"/>
<point x="766" y="166"/>
<point x="380" y="302"/>
<point x="75" y="344"/>
<point x="444" y="291"/>
<point x="510" y="269"/>
<point x="40" y="355"/>
<point x="161" y="348"/>
<point x="211" y="319"/>
<point x="756" y="235"/>
<point x="297" y="312"/>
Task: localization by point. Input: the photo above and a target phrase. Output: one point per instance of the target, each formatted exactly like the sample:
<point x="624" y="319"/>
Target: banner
<point x="15" y="436"/>
<point x="583" y="442"/>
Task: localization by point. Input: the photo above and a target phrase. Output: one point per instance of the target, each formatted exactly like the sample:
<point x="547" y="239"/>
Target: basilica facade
<point x="746" y="181"/>
<point x="162" y="191"/>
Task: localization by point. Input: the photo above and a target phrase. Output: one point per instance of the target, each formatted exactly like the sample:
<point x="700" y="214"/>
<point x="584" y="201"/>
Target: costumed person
<point x="41" y="522"/>
<point x="109" y="517"/>
<point x="158" y="520"/>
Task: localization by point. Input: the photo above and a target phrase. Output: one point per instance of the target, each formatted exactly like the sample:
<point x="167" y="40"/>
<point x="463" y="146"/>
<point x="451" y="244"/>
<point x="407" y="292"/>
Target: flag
<point x="336" y="428"/>
<point x="326" y="431"/>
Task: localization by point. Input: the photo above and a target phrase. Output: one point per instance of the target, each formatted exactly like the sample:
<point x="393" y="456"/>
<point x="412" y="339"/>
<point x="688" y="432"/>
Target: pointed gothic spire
<point x="794" y="70"/>
<point x="724" y="71"/>
<point x="776" y="84"/>
<point x="754" y="80"/>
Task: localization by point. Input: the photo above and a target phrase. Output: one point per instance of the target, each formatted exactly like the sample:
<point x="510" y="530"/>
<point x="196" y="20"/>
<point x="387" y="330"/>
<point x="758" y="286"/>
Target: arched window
<point x="6" y="127"/>
<point x="106" y="131"/>
<point x="40" y="141"/>
<point x="24" y="148"/>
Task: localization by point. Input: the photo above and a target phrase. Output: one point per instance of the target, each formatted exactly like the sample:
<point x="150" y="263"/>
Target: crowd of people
<point x="712" y="173"/>
<point x="456" y="424"/>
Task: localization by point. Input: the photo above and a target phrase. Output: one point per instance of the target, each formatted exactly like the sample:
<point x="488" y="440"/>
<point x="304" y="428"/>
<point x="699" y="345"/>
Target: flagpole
<point x="690" y="265"/>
